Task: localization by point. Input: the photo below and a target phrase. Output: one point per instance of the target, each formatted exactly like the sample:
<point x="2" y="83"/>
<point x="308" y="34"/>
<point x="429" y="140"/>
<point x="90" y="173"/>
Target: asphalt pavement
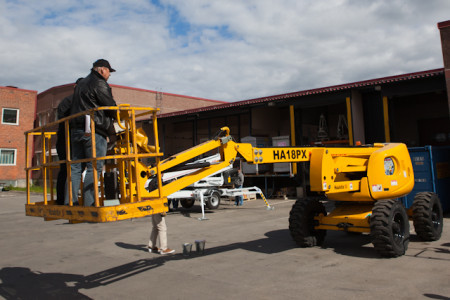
<point x="249" y="254"/>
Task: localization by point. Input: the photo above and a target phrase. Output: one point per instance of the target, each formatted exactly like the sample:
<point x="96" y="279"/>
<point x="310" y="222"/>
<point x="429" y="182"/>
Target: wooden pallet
<point x="249" y="197"/>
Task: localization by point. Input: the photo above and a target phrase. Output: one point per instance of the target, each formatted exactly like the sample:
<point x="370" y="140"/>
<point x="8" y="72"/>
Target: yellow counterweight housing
<point x="383" y="171"/>
<point x="390" y="172"/>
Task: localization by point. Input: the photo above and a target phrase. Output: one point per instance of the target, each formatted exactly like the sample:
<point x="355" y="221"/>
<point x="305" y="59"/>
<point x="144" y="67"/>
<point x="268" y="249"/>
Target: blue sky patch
<point x="178" y="26"/>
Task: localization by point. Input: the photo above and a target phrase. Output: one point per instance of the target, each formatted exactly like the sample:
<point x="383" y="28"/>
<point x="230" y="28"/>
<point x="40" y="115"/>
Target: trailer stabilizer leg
<point x="268" y="207"/>
<point x="202" y="204"/>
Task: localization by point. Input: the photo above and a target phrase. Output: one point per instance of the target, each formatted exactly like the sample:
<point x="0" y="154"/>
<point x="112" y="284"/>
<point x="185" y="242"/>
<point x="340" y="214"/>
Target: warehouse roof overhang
<point x="330" y="89"/>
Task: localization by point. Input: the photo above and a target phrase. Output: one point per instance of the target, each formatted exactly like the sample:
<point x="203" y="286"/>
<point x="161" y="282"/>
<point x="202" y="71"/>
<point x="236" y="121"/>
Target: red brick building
<point x="18" y="111"/>
<point x="48" y="101"/>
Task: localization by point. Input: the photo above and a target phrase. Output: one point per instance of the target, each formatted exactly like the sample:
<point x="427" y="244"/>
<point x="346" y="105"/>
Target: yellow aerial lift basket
<point x="129" y="152"/>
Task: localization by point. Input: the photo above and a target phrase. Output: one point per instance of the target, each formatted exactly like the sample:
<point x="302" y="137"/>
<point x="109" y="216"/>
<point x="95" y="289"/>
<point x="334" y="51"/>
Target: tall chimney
<point x="444" y="28"/>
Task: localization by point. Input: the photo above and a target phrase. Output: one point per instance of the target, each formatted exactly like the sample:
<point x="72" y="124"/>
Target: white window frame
<point x="17" y="118"/>
<point x="15" y="156"/>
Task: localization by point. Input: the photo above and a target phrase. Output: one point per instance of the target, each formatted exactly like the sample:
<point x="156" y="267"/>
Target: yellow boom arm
<point x="341" y="173"/>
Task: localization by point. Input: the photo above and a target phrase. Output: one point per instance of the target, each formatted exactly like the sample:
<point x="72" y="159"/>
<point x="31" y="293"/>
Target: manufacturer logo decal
<point x="377" y="188"/>
<point x="52" y="212"/>
<point x="145" y="208"/>
<point x="340" y="187"/>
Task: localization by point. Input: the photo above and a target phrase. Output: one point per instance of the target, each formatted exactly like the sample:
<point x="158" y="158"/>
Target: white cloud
<point x="225" y="50"/>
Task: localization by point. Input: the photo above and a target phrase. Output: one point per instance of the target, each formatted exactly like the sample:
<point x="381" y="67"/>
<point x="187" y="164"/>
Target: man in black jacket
<point x="91" y="92"/>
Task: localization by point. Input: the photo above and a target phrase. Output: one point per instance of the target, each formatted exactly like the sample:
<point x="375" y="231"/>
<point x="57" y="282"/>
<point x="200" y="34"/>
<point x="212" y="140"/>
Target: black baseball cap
<point x="103" y="63"/>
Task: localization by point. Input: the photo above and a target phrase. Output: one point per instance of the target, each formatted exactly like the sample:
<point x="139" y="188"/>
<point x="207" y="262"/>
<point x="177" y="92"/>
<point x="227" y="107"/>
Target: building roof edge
<point x="370" y="82"/>
<point x="443" y="24"/>
<point x="17" y="89"/>
<point x="171" y="94"/>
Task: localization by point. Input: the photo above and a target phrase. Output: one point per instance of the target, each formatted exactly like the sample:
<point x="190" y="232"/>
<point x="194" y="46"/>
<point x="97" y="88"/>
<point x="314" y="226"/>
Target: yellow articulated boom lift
<point x="364" y="182"/>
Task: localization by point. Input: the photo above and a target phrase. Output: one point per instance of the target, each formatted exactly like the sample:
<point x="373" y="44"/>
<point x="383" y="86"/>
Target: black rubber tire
<point x="213" y="201"/>
<point x="301" y="222"/>
<point x="427" y="216"/>
<point x="389" y="228"/>
<point x="187" y="203"/>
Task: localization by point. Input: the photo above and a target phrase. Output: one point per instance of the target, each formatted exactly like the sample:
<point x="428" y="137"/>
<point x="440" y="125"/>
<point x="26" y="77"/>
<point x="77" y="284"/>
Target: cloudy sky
<point x="224" y="50"/>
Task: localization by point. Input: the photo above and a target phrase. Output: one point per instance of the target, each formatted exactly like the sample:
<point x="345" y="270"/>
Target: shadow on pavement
<point x="434" y="296"/>
<point x="275" y="242"/>
<point x="23" y="283"/>
<point x="132" y="247"/>
<point x="350" y="244"/>
<point x="280" y="240"/>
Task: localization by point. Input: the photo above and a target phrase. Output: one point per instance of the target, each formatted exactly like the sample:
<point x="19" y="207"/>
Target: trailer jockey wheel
<point x="389" y="228"/>
<point x="427" y="216"/>
<point x="187" y="203"/>
<point x="301" y="222"/>
<point x="213" y="201"/>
